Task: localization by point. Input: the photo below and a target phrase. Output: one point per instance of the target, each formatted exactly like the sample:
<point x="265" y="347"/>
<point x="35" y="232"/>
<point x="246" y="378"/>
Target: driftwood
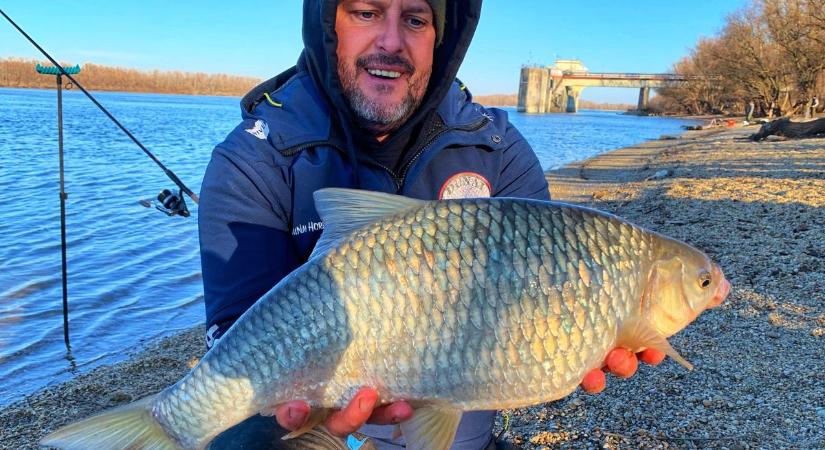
<point x="784" y="127"/>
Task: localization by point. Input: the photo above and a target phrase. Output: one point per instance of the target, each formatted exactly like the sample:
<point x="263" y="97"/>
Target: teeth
<point x="384" y="73"/>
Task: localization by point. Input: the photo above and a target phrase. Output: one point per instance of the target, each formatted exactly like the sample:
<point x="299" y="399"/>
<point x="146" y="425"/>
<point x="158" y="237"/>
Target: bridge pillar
<point x="532" y="93"/>
<point x="572" y="98"/>
<point x="644" y="99"/>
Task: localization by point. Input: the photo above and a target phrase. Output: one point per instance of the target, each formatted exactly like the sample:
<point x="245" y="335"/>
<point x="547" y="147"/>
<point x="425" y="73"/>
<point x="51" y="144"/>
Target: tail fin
<point x="129" y="426"/>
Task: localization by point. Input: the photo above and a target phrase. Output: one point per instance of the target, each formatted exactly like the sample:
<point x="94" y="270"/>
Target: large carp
<point x="453" y="305"/>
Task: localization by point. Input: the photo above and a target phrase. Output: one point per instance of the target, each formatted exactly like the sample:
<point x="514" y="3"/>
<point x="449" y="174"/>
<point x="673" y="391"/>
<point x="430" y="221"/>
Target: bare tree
<point x="796" y="29"/>
<point x="750" y="61"/>
<point x="706" y="91"/>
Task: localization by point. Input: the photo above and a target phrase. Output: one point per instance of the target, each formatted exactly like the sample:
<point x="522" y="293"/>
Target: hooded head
<point x="383" y="65"/>
<point x="385" y="56"/>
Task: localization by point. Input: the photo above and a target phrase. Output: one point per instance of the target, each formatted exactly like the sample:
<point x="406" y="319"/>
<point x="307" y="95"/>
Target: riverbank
<point x="757" y="208"/>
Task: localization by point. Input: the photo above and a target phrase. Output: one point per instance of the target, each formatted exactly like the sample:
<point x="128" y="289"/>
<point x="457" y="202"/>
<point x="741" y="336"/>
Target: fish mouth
<point x="721" y="294"/>
<point x="722" y="289"/>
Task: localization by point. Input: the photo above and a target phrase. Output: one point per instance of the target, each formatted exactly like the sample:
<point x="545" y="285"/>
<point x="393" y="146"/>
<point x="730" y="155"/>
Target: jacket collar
<point x="298" y="117"/>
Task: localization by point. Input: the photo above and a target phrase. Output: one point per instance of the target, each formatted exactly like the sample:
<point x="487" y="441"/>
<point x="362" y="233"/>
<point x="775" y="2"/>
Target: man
<point x="373" y="103"/>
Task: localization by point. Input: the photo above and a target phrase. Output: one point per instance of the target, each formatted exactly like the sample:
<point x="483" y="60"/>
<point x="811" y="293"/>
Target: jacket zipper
<point x="403" y="175"/>
<point x="399" y="179"/>
<point x="293" y="150"/>
<point x="303" y="147"/>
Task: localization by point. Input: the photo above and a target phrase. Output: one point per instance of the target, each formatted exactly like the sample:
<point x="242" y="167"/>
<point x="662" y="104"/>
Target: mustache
<point x="387" y="60"/>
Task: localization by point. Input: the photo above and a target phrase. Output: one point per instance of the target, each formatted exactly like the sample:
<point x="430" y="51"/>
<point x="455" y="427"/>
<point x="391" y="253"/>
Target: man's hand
<point x="360" y="410"/>
<point x="622" y="363"/>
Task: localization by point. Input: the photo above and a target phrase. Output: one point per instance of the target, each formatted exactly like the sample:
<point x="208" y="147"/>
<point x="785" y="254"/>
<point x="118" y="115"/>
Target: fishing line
<point x="63" y="72"/>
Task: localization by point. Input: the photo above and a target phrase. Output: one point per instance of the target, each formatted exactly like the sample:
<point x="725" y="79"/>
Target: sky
<point x="262" y="38"/>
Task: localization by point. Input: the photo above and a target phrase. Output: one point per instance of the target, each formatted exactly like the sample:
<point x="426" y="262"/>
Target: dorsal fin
<point x="346" y="210"/>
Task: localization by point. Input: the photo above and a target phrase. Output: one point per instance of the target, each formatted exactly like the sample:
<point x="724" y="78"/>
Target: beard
<point x="372" y="114"/>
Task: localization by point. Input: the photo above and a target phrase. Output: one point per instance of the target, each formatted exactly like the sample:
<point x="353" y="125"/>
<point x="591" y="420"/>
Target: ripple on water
<point x="26" y="289"/>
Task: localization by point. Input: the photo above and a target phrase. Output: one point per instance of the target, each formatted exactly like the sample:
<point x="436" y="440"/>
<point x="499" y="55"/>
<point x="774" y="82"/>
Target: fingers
<point x="651" y="356"/>
<point x="594" y="382"/>
<point x="292" y="415"/>
<point x="621" y="362"/>
<point x="391" y="414"/>
<point x="355" y="414"/>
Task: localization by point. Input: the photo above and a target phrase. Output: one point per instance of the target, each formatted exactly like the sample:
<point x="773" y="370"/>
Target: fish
<point x="451" y="305"/>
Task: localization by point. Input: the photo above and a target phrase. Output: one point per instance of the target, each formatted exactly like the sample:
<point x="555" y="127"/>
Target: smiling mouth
<point x="386" y="74"/>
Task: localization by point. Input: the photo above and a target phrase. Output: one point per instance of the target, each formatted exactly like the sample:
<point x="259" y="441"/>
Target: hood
<point x="320" y="62"/>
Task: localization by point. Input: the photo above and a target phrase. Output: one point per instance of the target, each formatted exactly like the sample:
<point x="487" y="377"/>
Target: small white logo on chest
<point x="465" y="185"/>
<point x="307" y="227"/>
<point x="260" y="130"/>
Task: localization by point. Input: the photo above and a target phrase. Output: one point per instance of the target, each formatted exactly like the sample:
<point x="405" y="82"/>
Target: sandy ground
<point x="757" y="208"/>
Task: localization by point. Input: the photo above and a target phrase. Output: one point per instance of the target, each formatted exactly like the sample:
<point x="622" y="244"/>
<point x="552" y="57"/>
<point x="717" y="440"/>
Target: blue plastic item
<point x="51" y="70"/>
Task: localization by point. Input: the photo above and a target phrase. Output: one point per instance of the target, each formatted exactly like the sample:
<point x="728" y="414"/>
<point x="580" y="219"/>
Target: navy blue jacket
<point x="257" y="220"/>
<point x="300" y="134"/>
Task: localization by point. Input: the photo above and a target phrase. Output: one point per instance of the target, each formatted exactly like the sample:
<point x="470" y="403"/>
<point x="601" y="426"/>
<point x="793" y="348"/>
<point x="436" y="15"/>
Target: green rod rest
<point x="51" y="70"/>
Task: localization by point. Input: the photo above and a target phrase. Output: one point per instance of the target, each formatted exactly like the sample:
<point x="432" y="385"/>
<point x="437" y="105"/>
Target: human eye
<point x="365" y="15"/>
<point x="416" y="22"/>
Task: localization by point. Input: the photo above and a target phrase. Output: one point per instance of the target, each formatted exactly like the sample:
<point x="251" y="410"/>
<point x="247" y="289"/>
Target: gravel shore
<point x="758" y="209"/>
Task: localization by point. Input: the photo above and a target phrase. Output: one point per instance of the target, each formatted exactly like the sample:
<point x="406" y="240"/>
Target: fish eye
<point x="704" y="279"/>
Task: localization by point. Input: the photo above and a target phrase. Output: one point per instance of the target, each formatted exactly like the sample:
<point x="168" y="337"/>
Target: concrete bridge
<point x="557" y="88"/>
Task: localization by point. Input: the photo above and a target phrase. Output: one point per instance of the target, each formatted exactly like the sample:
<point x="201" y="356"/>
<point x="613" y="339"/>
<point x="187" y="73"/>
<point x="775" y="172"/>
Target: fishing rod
<point x="170" y="203"/>
<point x="166" y="199"/>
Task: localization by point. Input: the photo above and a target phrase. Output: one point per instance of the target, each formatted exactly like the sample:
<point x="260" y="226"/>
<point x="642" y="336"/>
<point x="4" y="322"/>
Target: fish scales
<point x="412" y="340"/>
<point x="478" y="304"/>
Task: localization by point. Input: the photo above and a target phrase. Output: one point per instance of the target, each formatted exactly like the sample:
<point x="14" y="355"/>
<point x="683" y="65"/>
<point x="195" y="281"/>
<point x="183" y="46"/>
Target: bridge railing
<point x="628" y="76"/>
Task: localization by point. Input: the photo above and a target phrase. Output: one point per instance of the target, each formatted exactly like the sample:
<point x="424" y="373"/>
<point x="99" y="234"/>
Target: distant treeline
<point x="771" y="53"/>
<point x="496" y="99"/>
<point x="584" y="104"/>
<point x="512" y="100"/>
<point x="20" y="73"/>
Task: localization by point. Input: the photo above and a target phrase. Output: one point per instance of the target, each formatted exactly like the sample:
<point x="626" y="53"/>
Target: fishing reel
<point x="168" y="203"/>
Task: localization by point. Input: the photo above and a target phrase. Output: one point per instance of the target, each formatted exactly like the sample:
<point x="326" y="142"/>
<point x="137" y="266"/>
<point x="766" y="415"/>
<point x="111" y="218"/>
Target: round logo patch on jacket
<point x="465" y="185"/>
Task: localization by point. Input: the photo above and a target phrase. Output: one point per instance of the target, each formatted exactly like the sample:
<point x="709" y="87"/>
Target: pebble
<point x="120" y="397"/>
<point x="659" y="175"/>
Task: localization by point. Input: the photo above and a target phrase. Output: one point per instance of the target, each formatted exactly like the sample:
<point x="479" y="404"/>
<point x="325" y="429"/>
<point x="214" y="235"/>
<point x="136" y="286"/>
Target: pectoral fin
<point x="636" y="334"/>
<point x="316" y="417"/>
<point x="432" y="427"/>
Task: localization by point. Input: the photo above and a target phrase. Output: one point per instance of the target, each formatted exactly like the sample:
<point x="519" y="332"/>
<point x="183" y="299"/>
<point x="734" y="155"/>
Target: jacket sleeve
<point x="520" y="175"/>
<point x="244" y="235"/>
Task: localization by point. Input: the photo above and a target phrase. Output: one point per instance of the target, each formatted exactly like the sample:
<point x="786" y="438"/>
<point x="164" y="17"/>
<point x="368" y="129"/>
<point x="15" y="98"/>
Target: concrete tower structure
<point x="557" y="88"/>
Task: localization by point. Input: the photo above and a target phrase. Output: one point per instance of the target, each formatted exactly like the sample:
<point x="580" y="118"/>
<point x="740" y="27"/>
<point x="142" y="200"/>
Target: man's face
<point x="385" y="58"/>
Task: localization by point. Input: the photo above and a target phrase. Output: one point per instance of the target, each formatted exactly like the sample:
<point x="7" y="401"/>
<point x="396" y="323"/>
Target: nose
<point x="390" y="40"/>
